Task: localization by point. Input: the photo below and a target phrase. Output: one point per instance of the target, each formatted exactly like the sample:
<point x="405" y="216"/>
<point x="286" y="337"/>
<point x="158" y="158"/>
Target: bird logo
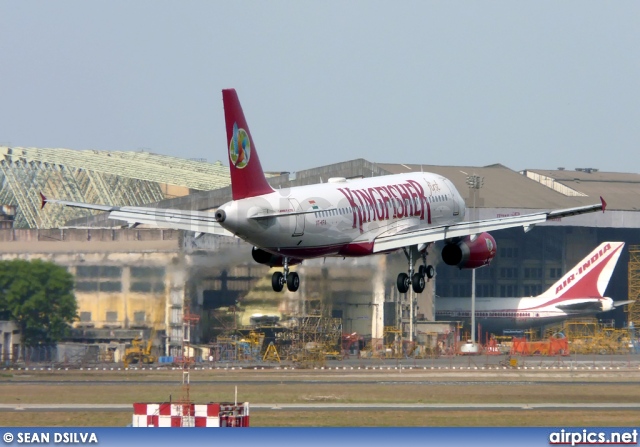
<point x="239" y="147"/>
<point x="489" y="245"/>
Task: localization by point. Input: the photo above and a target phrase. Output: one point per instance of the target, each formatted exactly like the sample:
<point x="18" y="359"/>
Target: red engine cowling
<point x="470" y="252"/>
<point x="264" y="257"/>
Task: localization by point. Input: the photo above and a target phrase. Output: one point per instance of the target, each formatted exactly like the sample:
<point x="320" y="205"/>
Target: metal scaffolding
<point x="633" y="309"/>
<point x="315" y="339"/>
<point x="592" y="336"/>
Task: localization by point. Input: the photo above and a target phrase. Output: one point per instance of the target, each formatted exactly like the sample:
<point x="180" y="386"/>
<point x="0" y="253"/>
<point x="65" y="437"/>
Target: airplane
<point x="579" y="292"/>
<point x="342" y="218"/>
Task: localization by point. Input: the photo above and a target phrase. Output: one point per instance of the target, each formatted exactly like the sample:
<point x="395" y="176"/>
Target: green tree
<point x="39" y="297"/>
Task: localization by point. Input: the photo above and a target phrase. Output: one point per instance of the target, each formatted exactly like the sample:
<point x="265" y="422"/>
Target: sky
<point x="528" y="84"/>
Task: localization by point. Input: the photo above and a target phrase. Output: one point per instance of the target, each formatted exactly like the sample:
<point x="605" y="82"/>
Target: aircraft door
<point x="299" y="226"/>
<point x="454" y="197"/>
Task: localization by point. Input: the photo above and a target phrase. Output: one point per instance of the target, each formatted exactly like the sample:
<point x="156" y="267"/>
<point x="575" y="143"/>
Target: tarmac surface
<point x="577" y="362"/>
<point x="341" y="407"/>
<point x="592" y="370"/>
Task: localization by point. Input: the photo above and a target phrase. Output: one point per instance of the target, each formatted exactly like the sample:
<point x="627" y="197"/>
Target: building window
<point x="93" y="278"/>
<point x="147" y="272"/>
<point x="147" y="280"/>
<point x="507" y="290"/>
<point x="509" y="252"/>
<point x="85" y="317"/>
<point x="533" y="273"/>
<point x="139" y="316"/>
<point x="107" y="271"/>
<point x="87" y="271"/>
<point x="112" y="317"/>
<point x="111" y="286"/>
<point x="87" y="286"/>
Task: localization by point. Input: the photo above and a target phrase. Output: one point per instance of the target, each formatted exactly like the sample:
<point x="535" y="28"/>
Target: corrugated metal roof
<point x="92" y="176"/>
<point x="503" y="187"/>
<point x="136" y="165"/>
<point x="620" y="190"/>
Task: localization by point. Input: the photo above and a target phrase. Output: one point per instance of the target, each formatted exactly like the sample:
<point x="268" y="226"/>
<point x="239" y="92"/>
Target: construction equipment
<point x="271" y="355"/>
<point x="139" y="353"/>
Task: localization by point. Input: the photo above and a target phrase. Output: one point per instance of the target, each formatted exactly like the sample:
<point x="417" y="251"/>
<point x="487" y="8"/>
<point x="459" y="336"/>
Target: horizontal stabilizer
<point x="593" y="306"/>
<point x="197" y="221"/>
<point x="622" y="303"/>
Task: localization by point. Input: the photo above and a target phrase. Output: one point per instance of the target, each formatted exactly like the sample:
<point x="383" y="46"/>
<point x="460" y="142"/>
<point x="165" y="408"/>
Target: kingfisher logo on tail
<point x="239" y="147"/>
<point x="247" y="178"/>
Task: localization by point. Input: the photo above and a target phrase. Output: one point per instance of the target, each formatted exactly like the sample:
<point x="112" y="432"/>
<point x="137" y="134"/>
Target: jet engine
<point x="264" y="257"/>
<point x="470" y="252"/>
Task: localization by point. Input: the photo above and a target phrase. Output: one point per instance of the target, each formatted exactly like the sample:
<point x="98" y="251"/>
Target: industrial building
<point x="132" y="282"/>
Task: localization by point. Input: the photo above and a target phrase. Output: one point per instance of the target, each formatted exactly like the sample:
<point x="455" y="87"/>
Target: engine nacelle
<point x="470" y="252"/>
<point x="264" y="257"/>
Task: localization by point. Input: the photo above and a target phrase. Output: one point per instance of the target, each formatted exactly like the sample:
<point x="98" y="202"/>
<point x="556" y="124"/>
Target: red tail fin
<point x="247" y="177"/>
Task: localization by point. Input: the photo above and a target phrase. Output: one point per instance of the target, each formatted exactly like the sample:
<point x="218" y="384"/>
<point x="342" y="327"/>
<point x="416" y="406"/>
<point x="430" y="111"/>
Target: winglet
<point x="604" y="204"/>
<point x="43" y="200"/>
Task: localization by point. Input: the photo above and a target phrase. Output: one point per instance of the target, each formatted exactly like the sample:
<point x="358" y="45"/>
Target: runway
<point x="481" y="362"/>
<point x="600" y="406"/>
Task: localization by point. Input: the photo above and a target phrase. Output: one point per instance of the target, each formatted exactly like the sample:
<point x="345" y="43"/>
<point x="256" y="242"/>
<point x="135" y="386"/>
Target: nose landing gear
<point x="291" y="279"/>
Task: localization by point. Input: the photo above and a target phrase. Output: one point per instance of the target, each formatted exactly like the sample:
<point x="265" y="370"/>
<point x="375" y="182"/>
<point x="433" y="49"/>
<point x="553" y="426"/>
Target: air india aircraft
<point x="345" y="218"/>
<point x="579" y="292"/>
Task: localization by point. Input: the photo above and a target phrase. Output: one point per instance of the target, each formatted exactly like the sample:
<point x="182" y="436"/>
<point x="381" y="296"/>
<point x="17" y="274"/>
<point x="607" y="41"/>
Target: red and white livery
<point x="342" y="217"/>
<point x="579" y="292"/>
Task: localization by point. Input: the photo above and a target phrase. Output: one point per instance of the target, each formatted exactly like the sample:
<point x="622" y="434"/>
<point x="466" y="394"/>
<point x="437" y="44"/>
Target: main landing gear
<point x="416" y="279"/>
<point x="291" y="279"/>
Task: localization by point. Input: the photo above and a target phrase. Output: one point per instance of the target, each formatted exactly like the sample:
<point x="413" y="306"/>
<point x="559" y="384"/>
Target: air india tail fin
<point x="590" y="277"/>
<point x="247" y="177"/>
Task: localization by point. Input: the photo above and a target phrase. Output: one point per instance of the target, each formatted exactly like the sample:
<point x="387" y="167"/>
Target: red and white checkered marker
<point x="190" y="415"/>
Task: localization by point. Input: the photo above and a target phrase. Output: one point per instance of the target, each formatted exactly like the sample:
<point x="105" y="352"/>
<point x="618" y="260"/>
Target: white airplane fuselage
<point x="494" y="313"/>
<point x="350" y="214"/>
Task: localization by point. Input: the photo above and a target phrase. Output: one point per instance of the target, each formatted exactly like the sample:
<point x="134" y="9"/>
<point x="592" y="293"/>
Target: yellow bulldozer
<point x="139" y="352"/>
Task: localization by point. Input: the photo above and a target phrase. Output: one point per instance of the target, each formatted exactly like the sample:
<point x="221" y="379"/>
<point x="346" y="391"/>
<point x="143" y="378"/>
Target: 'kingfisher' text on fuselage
<point x="384" y="202"/>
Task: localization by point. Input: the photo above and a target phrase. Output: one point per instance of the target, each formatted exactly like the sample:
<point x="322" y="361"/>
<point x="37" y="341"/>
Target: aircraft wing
<point x="198" y="221"/>
<point x="387" y="242"/>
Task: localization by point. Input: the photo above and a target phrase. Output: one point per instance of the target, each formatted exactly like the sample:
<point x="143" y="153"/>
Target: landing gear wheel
<point x="403" y="283"/>
<point x="422" y="270"/>
<point x="418" y="283"/>
<point x="277" y="282"/>
<point x="430" y="271"/>
<point x="293" y="281"/>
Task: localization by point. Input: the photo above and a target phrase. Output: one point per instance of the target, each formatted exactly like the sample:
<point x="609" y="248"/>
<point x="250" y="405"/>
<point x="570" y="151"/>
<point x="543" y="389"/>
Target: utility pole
<point x="474" y="182"/>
